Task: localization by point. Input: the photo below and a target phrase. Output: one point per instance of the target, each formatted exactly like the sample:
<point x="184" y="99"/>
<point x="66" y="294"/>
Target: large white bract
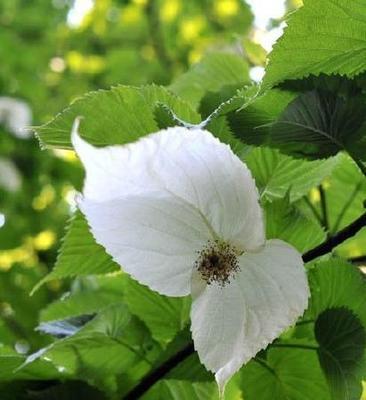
<point x="180" y="213"/>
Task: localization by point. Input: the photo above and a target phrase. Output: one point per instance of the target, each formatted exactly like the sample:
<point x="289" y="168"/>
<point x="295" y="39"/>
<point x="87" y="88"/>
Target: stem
<point x="162" y="370"/>
<point x="154" y="376"/>
<point x="336" y="239"/>
<point x="157" y="37"/>
<point x="313" y="210"/>
<point x="346" y="206"/>
<point x="323" y="204"/>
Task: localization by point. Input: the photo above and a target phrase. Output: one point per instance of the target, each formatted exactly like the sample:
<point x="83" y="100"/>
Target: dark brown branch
<point x="323" y="203"/>
<point x="361" y="260"/>
<point x="160" y="372"/>
<point x="154" y="376"/>
<point x="336" y="239"/>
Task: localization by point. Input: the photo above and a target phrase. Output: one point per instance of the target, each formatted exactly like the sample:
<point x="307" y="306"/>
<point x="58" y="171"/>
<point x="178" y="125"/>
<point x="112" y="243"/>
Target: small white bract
<point x="17" y="116"/>
<point x="2" y="220"/>
<point x="179" y="211"/>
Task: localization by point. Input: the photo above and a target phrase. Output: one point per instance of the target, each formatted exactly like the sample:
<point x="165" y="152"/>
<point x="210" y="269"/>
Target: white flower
<point x="179" y="211"/>
<point x="2" y="220"/>
<point x="16" y="115"/>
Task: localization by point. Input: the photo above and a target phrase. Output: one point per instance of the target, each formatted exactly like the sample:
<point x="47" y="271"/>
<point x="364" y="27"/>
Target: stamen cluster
<point x="217" y="262"/>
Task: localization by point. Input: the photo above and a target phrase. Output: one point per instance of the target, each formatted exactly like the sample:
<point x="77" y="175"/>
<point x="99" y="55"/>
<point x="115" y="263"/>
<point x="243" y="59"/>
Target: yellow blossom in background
<point x="80" y="63"/>
<point x="67" y="155"/>
<point x="190" y="29"/>
<point x="226" y="8"/>
<point x="24" y="254"/>
<point x="44" y="199"/>
<point x="44" y="240"/>
<point x="169" y="10"/>
<point x="141" y="3"/>
<point x="314" y="195"/>
<point x="131" y="14"/>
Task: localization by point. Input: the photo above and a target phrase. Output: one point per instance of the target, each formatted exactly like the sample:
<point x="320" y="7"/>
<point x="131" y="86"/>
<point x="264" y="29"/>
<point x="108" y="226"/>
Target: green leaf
<point x="318" y="124"/>
<point x="98" y="293"/>
<point x="79" y="254"/>
<point x="116" y="116"/>
<point x="164" y="316"/>
<point x="111" y="344"/>
<point x="286" y="374"/>
<point x="285" y="222"/>
<point x="345" y="193"/>
<point x="277" y="174"/>
<point x="73" y="390"/>
<point x="10" y="361"/>
<point x="182" y="390"/>
<point x="342" y="340"/>
<point x="325" y="36"/>
<point x="212" y="73"/>
<point x="250" y="122"/>
<point x="338" y="290"/>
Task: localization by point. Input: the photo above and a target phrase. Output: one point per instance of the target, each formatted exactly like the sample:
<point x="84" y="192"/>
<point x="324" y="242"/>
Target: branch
<point x="336" y="239"/>
<point x="160" y="372"/>
<point x="154" y="376"/>
<point x="360" y="260"/>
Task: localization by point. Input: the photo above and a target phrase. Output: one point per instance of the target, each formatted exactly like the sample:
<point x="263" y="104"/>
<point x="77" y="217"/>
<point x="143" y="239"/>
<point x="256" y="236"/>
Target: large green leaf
<point x="116" y="116"/>
<point x="286" y="222"/>
<point x="86" y="297"/>
<point x="212" y="73"/>
<point x="292" y="374"/>
<point x="80" y="254"/>
<point x="342" y="339"/>
<point x="164" y="316"/>
<point x="250" y="121"/>
<point x="337" y="305"/>
<point x="112" y="344"/>
<point x="182" y="390"/>
<point x="10" y="361"/>
<point x="318" y="124"/>
<point x="277" y="174"/>
<point x="327" y="36"/>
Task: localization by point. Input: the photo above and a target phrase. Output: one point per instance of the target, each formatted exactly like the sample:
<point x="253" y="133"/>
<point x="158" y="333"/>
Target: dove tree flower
<point x="179" y="212"/>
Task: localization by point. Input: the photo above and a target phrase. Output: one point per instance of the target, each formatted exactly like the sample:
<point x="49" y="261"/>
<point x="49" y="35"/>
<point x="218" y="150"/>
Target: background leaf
<point x="325" y="36"/>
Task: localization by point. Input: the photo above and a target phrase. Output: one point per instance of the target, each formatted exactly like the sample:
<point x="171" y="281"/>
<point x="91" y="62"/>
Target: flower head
<point x="180" y="213"/>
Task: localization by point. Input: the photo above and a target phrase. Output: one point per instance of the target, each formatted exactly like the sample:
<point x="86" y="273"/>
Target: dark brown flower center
<point x="217" y="262"/>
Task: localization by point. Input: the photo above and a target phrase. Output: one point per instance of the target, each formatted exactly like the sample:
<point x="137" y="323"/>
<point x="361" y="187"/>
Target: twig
<point x="154" y="376"/>
<point x="346" y="206"/>
<point x="323" y="203"/>
<point x="313" y="210"/>
<point x="157" y="37"/>
<point x="336" y="239"/>
<point x="361" y="260"/>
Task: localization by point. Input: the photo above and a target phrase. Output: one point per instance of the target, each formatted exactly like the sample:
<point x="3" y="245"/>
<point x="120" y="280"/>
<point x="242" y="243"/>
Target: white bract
<point x="16" y="115"/>
<point x="180" y="213"/>
<point x="2" y="220"/>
